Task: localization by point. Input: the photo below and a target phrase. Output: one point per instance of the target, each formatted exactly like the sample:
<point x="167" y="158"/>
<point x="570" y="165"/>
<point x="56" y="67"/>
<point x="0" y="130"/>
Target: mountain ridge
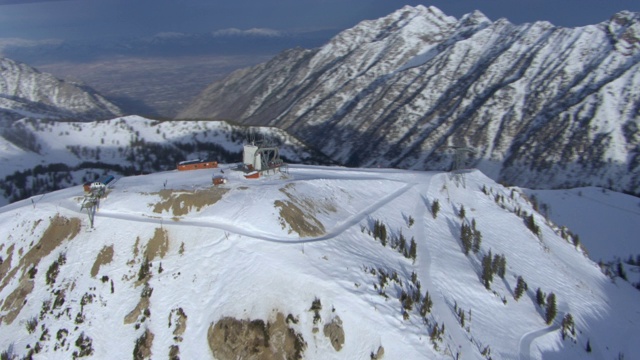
<point x="400" y="90"/>
<point x="26" y="92"/>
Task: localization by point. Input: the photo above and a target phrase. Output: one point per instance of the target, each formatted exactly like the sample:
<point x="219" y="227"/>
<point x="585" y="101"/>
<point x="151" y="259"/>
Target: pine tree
<point x="540" y="297"/>
<point x="551" y="312"/>
<point x="380" y="232"/>
<point x="427" y="303"/>
<point x="502" y="266"/>
<point x="435" y="207"/>
<point x="531" y="224"/>
<point x="568" y="326"/>
<point x="462" y="213"/>
<point x="521" y="287"/>
<point x="620" y="271"/>
<point x="413" y="249"/>
<point x="588" y="349"/>
<point x="466" y="238"/>
<point x="487" y="271"/>
<point x="477" y="237"/>
<point x="495" y="263"/>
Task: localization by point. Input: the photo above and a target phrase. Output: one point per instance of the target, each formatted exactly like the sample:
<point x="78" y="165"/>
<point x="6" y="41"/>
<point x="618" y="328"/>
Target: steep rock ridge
<point x="26" y="92"/>
<point x="544" y="106"/>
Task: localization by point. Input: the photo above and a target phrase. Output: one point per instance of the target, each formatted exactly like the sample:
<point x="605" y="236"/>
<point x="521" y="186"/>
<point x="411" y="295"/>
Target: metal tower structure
<point x="460" y="156"/>
<point x="91" y="202"/>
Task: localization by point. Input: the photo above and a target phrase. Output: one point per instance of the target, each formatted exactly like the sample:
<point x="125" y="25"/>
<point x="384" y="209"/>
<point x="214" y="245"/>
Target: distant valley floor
<point x="151" y="86"/>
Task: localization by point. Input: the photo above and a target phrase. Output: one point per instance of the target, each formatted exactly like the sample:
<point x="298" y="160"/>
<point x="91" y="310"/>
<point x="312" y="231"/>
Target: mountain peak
<point x="26" y="92"/>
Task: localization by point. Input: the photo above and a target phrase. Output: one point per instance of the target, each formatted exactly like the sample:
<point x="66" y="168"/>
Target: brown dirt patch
<point x="143" y="305"/>
<point x="299" y="221"/>
<point x="335" y="333"/>
<point x="16" y="300"/>
<point x="142" y="350"/>
<point x="182" y="202"/>
<point x="231" y="339"/>
<point x="6" y="263"/>
<point x="104" y="257"/>
<point x="299" y="213"/>
<point x="157" y="245"/>
<point x="180" y="322"/>
<point x="60" y="229"/>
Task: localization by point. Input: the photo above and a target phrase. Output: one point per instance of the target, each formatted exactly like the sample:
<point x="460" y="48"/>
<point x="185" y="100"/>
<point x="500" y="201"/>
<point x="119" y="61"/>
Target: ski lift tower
<point x="460" y="157"/>
<point x="460" y="161"/>
<point x="91" y="202"/>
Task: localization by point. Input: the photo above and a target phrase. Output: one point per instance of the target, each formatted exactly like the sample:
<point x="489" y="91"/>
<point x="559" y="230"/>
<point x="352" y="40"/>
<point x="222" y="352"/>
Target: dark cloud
<point x="38" y="19"/>
<point x="21" y="2"/>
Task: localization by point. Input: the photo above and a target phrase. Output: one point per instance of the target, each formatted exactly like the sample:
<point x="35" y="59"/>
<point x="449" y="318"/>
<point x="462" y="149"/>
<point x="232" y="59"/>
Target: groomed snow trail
<point x="453" y="330"/>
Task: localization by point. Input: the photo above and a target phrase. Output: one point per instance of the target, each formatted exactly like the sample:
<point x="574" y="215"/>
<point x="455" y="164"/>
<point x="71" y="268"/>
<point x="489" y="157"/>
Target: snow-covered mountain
<point x="27" y="93"/>
<point x="320" y="263"/>
<point x="543" y="106"/>
<point x="39" y="156"/>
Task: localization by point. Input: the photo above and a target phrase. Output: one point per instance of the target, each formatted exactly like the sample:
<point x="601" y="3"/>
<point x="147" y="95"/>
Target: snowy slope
<point x="607" y="224"/>
<point x="251" y="249"/>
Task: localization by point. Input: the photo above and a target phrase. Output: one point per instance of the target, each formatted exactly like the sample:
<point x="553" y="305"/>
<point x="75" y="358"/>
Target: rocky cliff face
<point x="27" y="93"/>
<point x="542" y="106"/>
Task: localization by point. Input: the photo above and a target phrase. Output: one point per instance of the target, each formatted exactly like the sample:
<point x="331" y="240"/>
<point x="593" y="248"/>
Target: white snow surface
<point x="240" y="258"/>
<point x="607" y="222"/>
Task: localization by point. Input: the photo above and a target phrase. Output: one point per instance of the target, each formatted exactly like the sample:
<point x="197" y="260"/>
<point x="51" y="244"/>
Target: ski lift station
<point x="257" y="159"/>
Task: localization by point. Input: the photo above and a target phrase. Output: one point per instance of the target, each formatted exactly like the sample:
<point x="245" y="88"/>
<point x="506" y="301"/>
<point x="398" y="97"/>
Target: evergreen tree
<point x="462" y="213"/>
<point x="531" y="224"/>
<point x="427" y="303"/>
<point x="568" y="326"/>
<point x="487" y="271"/>
<point x="521" y="287"/>
<point x="477" y="237"/>
<point x="588" y="349"/>
<point x="413" y="249"/>
<point x="435" y="207"/>
<point x="495" y="263"/>
<point x="502" y="266"/>
<point x="620" y="271"/>
<point x="540" y="297"/>
<point x="380" y="232"/>
<point x="466" y="238"/>
<point x="552" y="310"/>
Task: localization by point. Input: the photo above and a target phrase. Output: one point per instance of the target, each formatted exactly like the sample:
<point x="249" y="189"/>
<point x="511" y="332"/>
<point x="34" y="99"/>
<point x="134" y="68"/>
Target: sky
<point x="93" y="19"/>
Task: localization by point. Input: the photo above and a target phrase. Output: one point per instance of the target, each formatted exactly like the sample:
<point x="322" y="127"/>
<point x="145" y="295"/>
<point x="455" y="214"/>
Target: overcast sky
<point x="74" y="19"/>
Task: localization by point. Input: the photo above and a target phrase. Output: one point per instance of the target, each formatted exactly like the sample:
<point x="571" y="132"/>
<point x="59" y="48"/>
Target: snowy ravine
<point x="305" y="245"/>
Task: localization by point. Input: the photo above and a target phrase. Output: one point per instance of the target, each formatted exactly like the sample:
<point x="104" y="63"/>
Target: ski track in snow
<point x="527" y="339"/>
